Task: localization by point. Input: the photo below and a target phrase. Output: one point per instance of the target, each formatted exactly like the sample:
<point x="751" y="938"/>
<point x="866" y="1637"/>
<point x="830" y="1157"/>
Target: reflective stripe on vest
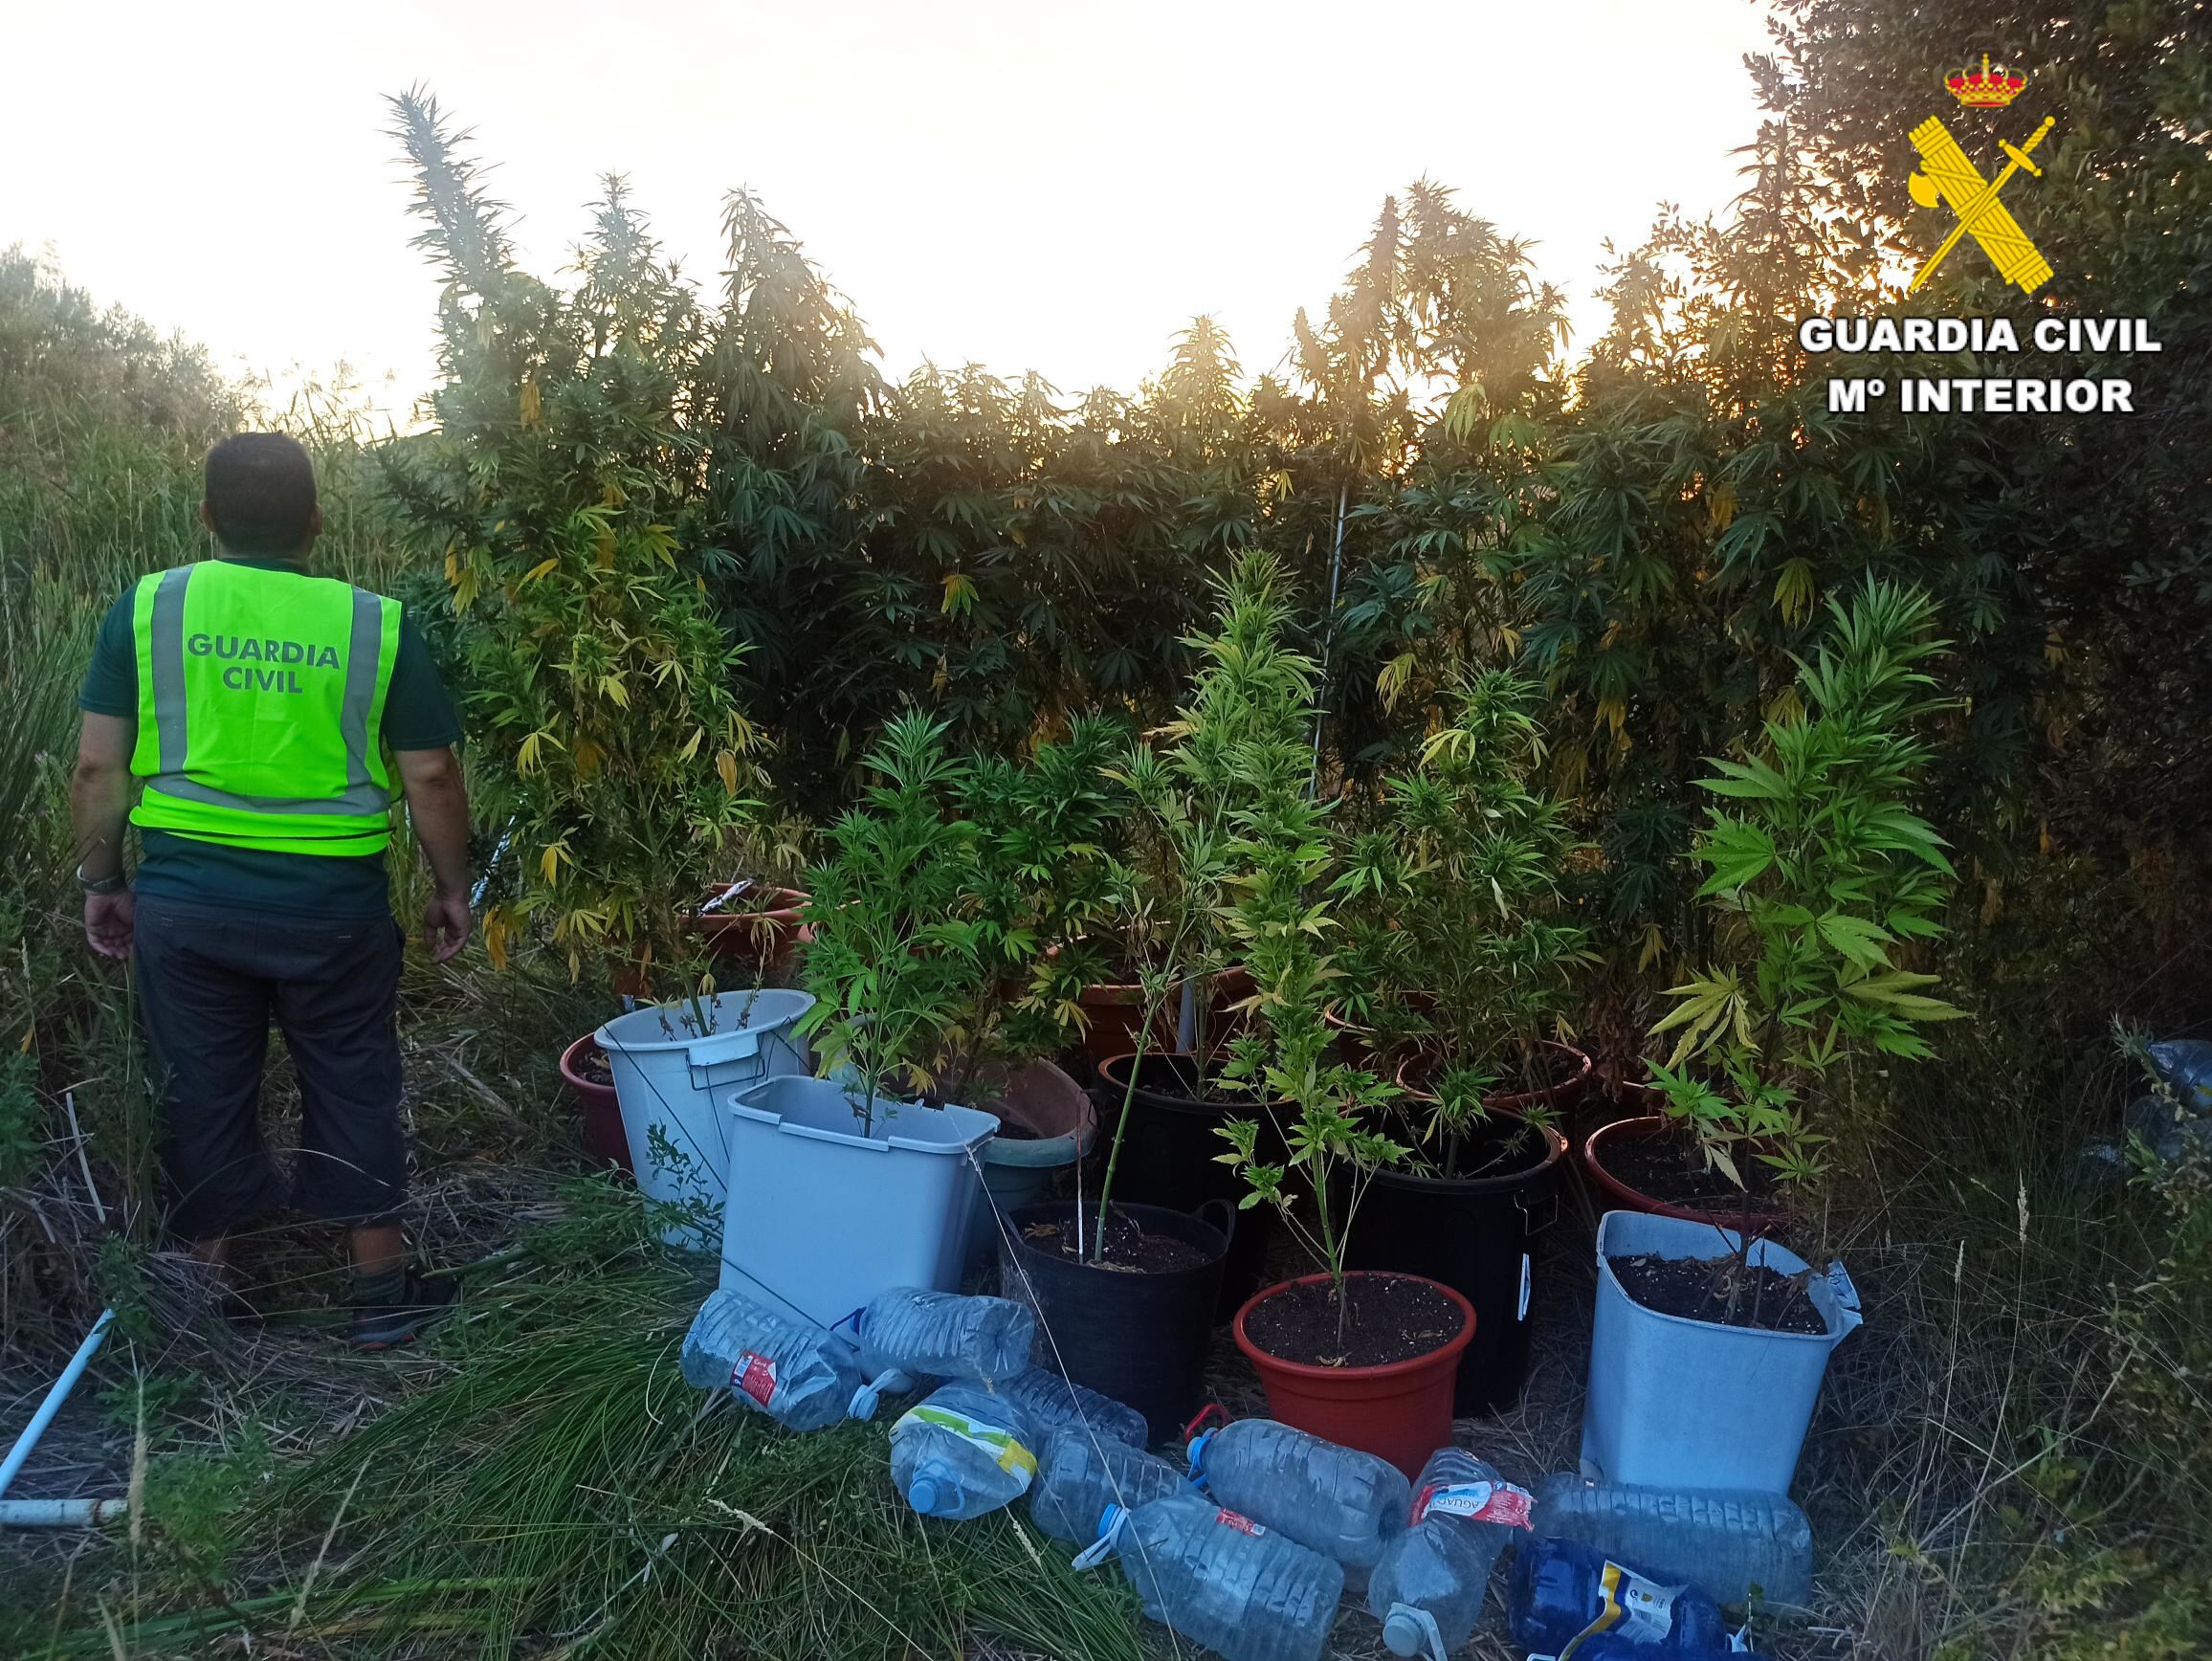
<point x="260" y="709"/>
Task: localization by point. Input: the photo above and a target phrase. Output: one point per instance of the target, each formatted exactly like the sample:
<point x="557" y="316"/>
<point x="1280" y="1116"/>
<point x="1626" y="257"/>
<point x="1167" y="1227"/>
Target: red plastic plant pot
<point x="603" y="1138"/>
<point x="1616" y="1195"/>
<point x="1400" y="1412"/>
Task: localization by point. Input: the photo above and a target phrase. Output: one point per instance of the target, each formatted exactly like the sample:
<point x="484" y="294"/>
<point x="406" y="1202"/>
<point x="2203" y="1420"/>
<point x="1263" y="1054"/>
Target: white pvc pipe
<point x="61" y="1513"/>
<point x="55" y="1397"/>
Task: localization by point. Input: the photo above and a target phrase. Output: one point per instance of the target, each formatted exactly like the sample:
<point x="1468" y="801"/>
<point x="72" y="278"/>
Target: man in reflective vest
<point x="268" y="718"/>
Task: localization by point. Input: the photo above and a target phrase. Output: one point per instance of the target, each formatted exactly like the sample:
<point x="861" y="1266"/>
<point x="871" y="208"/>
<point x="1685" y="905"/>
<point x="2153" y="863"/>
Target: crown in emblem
<point x="1986" y="88"/>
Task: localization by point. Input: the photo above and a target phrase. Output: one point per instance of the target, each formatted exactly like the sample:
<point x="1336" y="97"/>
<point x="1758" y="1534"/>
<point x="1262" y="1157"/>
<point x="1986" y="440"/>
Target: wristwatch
<point x="115" y="884"/>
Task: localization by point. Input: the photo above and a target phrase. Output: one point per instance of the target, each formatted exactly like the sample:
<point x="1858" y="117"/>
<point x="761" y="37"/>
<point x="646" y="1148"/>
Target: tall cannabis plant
<point x="1278" y="918"/>
<point x="1821" y="875"/>
<point x="560" y="489"/>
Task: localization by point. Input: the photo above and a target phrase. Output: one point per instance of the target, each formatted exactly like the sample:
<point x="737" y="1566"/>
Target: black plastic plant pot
<point x="1476" y="1235"/>
<point x="1171" y="1152"/>
<point x="1140" y="1337"/>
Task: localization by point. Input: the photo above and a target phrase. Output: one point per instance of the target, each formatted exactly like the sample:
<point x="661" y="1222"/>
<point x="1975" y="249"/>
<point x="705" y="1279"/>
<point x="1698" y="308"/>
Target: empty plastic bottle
<point x="793" y="1371"/>
<point x="961" y="1452"/>
<point x="1235" y="1586"/>
<point x="1078" y="1477"/>
<point x="1564" y="1591"/>
<point x="941" y="1335"/>
<point x="1606" y="1647"/>
<point x="1052" y="1403"/>
<point x="1724" y="1542"/>
<point x="1428" y="1588"/>
<point x="1337" y="1500"/>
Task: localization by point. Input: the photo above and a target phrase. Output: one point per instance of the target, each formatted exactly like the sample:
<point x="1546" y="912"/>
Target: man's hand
<point x="108" y="919"/>
<point x="445" y="925"/>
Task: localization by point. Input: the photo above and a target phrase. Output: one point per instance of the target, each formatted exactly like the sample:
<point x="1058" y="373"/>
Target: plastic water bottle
<point x="1563" y="1590"/>
<point x="961" y="1452"/>
<point x="1429" y="1586"/>
<point x="941" y="1335"/>
<point x="1052" y="1403"/>
<point x="1340" y="1502"/>
<point x="1606" y="1647"/>
<point x="1224" y="1581"/>
<point x="1724" y="1542"/>
<point x="1079" y="1477"/>
<point x="793" y="1371"/>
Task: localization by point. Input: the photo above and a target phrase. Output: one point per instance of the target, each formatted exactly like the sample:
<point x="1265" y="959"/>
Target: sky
<point x="1047" y="185"/>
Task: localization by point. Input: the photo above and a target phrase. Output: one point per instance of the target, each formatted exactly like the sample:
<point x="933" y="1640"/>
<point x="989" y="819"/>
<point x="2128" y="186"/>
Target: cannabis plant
<point x="1278" y="918"/>
<point x="1186" y="792"/>
<point x="1821" y="874"/>
<point x="1039" y="878"/>
<point x="561" y="494"/>
<point x="1464" y="942"/>
<point x="894" y="960"/>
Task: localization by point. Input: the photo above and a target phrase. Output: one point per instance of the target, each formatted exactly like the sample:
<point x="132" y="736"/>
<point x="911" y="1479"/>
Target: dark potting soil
<point x="1391" y="1318"/>
<point x="1698" y="1288"/>
<point x="1128" y="1247"/>
<point x="593" y="1067"/>
<point x="1012" y="1130"/>
<point x="1498" y="1147"/>
<point x="1669" y="1168"/>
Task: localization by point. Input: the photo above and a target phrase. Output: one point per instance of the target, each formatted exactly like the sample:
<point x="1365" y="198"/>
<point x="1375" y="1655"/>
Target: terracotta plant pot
<point x="1401" y="1411"/>
<point x="1112" y="1009"/>
<point x="1614" y="1194"/>
<point x="761" y="926"/>
<point x="603" y="1138"/>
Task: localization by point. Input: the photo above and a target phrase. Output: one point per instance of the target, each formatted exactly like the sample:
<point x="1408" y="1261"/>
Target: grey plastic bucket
<point x="671" y="1081"/>
<point x="822" y="1216"/>
<point x="1680" y="1403"/>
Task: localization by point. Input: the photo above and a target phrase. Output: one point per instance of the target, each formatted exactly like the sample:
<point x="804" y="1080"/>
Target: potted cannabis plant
<point x="1363" y="1358"/>
<point x="1187" y="792"/>
<point x="1457" y="887"/>
<point x="561" y="493"/>
<point x="852" y="1181"/>
<point x="1820" y="876"/>
<point x="1040" y="878"/>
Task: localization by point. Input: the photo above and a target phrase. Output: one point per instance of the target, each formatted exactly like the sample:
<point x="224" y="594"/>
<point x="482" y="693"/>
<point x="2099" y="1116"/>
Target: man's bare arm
<point x="99" y="789"/>
<point x="437" y="806"/>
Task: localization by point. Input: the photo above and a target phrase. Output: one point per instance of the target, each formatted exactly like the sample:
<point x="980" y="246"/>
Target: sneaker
<point x="377" y="1326"/>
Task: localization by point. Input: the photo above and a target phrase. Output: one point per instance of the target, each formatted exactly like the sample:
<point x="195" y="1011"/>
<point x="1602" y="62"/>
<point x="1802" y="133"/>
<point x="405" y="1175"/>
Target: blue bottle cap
<point x="1401" y="1633"/>
<point x="1107" y="1519"/>
<point x="921" y="1495"/>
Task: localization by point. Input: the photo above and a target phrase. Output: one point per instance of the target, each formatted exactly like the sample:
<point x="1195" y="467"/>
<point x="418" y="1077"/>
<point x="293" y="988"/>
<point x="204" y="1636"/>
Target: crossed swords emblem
<point x="1947" y="176"/>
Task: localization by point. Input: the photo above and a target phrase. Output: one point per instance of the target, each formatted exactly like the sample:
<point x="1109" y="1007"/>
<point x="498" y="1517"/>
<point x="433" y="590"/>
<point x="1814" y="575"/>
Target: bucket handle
<point x="721" y="1049"/>
<point x="1551" y="1214"/>
<point x="1227" y="1222"/>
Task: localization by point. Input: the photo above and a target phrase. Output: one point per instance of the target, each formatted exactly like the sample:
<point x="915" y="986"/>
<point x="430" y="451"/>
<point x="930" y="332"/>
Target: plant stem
<point x="1151" y="1013"/>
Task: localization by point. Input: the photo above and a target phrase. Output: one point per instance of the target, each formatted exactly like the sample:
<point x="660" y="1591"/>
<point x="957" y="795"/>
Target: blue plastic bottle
<point x="1079" y="1477"/>
<point x="1223" y="1581"/>
<point x="1429" y="1586"/>
<point x="961" y="1452"/>
<point x="941" y="1335"/>
<point x="1335" y="1500"/>
<point x="1052" y="1402"/>
<point x="1564" y="1593"/>
<point x="795" y="1372"/>
<point x="1606" y="1647"/>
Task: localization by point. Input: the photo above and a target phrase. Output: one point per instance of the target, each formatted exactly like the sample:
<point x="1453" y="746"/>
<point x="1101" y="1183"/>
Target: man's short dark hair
<point x="262" y="492"/>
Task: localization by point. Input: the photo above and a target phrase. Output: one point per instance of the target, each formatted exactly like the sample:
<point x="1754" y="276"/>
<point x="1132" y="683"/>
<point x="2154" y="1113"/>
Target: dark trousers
<point x="209" y="980"/>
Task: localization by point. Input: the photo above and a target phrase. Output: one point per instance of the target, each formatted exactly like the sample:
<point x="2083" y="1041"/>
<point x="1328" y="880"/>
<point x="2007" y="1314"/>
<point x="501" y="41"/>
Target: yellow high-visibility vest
<point x="261" y="708"/>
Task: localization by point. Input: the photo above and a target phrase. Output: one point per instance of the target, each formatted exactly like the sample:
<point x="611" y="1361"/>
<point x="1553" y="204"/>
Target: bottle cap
<point x="1107" y="1519"/>
<point x="921" y="1495"/>
<point x="1401" y="1633"/>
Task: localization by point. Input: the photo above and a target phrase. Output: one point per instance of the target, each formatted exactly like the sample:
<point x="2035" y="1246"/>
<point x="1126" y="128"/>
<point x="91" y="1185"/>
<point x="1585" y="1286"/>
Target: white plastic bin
<point x="1681" y="1403"/>
<point x="671" y="1081"/>
<point x="822" y="1216"/>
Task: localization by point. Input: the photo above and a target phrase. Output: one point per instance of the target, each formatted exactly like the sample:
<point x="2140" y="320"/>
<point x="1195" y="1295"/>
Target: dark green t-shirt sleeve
<point x="418" y="715"/>
<point x="111" y="684"/>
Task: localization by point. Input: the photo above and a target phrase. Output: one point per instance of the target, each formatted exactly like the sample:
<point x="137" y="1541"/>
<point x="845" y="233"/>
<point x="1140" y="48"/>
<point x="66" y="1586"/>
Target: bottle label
<point x="1005" y="1451"/>
<point x="1242" y="1525"/>
<point x="1640" y="1610"/>
<point x="1498" y="1502"/>
<point x="755" y="1373"/>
